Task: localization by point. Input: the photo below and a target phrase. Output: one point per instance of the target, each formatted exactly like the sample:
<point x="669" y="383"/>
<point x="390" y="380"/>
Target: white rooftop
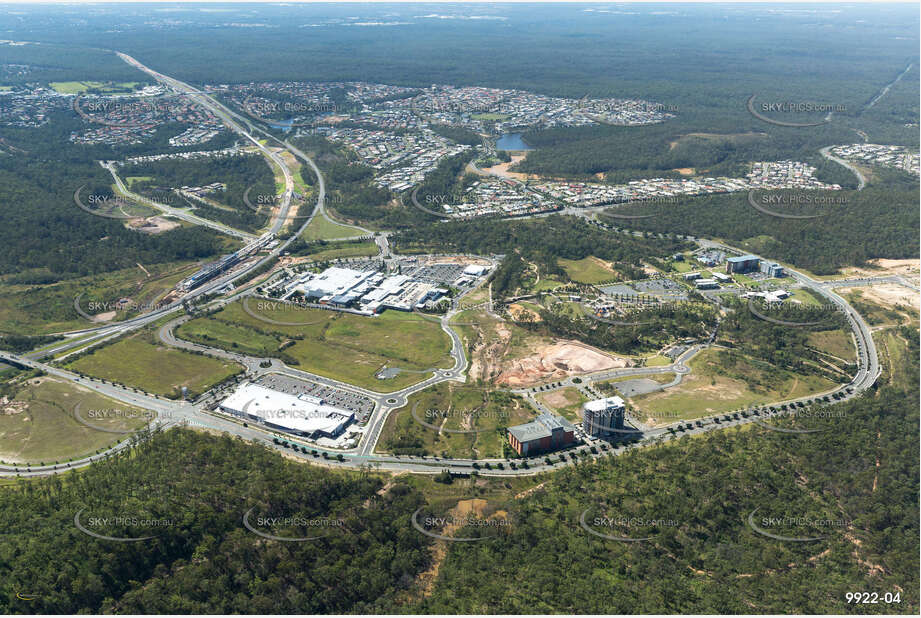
<point x="600" y="405"/>
<point x="334" y="281"/>
<point x="286" y="411"/>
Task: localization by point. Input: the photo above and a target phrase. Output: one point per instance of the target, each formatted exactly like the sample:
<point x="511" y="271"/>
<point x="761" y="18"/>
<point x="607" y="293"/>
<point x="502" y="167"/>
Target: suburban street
<point x="177" y="413"/>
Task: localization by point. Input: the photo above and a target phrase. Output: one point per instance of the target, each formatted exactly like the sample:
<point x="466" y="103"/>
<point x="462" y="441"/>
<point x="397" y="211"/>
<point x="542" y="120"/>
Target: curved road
<point x="172" y="413"/>
<point x="861" y="181"/>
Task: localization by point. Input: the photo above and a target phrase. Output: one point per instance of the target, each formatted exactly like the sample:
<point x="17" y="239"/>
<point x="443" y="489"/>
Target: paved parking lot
<point x="359" y="404"/>
<point x="663" y="288"/>
<point x="364" y="264"/>
<point x="436" y="274"/>
<point x="621" y="289"/>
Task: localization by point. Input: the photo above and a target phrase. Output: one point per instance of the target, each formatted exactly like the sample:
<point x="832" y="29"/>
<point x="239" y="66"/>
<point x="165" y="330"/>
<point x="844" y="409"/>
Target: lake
<point x="511" y="141"/>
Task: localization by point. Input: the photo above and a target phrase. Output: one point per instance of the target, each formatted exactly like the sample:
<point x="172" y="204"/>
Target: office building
<point x="545" y="433"/>
<point x="602" y="417"/>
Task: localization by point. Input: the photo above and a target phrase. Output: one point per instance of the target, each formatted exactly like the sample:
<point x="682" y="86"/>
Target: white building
<point x="601" y="416"/>
<point x="476" y="270"/>
<point x="333" y="282"/>
<point x="304" y="415"/>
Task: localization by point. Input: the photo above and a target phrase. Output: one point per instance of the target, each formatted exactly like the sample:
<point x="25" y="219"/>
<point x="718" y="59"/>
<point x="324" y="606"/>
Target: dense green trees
<point x="881" y="221"/>
<point x="693" y="499"/>
<point x="203" y="560"/>
<point x="46" y="237"/>
<point x="238" y="174"/>
<point x="539" y="240"/>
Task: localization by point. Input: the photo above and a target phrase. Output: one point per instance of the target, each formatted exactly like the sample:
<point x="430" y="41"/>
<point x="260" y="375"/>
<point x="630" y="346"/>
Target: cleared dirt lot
<point x="888" y="295"/>
<point x="881" y="268"/>
<point x="557" y="360"/>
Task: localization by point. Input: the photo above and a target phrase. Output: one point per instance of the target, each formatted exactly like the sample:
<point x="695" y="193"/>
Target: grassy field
<point x="835" y="342"/>
<point x="81" y="87"/>
<point x="39" y="426"/>
<point x="490" y="116"/>
<point x="40" y="309"/>
<point x="450" y="406"/>
<point x="335" y="250"/>
<point x="805" y="297"/>
<point x="137" y="362"/>
<point x="324" y="229"/>
<point x="228" y="336"/>
<point x="589" y="270"/>
<point x="658" y="361"/>
<point x="738" y="278"/>
<point x="567" y="402"/>
<point x="341" y="346"/>
<point x="723" y="381"/>
<point x="661" y="378"/>
<point x="545" y="284"/>
<point x="130" y="180"/>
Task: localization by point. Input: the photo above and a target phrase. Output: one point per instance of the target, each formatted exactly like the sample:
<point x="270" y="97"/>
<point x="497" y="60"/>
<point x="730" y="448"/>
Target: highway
<point x="176" y="413"/>
<point x="81" y="337"/>
<point x="171" y="413"/>
<point x="228" y="117"/>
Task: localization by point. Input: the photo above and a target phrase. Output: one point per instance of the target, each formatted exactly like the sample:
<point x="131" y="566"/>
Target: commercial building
<point x="691" y="276"/>
<point x="722" y="278"/>
<point x="742" y="264"/>
<point x="367" y="291"/>
<point x="775" y="296"/>
<point x="772" y="269"/>
<point x="545" y="433"/>
<point x="476" y="270"/>
<point x="302" y="415"/>
<point x="706" y="284"/>
<point x="334" y="282"/>
<point x="602" y="417"/>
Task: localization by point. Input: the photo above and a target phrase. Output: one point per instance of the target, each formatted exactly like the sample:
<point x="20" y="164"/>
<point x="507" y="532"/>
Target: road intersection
<point x="176" y="413"/>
